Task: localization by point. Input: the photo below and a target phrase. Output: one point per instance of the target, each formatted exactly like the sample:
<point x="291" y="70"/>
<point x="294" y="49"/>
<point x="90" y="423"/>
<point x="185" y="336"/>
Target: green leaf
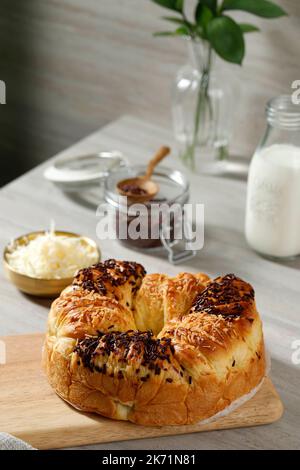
<point x="211" y="4"/>
<point x="203" y="16"/>
<point x="248" y="28"/>
<point x="263" y="8"/>
<point x="173" y="19"/>
<point x="179" y="5"/>
<point x="176" y="5"/>
<point x="226" y="38"/>
<point x="163" y="33"/>
<point x="182" y="31"/>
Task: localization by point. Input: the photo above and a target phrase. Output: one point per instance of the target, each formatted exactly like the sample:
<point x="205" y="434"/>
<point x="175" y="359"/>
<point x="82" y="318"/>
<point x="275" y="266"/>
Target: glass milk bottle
<point x="273" y="196"/>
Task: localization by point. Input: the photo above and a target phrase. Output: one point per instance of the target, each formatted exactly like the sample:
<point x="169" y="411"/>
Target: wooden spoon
<point x="142" y="188"/>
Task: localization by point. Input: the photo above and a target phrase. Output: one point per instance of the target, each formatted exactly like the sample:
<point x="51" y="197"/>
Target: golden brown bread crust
<point x="208" y="350"/>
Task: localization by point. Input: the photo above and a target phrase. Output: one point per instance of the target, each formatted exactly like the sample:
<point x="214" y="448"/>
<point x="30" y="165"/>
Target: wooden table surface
<point x="29" y="203"/>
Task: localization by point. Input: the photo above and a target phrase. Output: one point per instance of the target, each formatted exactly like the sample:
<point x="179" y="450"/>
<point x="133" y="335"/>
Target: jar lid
<point x="74" y="172"/>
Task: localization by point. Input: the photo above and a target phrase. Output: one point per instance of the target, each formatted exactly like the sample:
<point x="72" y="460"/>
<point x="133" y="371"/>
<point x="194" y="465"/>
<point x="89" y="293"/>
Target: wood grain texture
<point x="72" y="66"/>
<point x="30" y="202"/>
<point x="34" y="413"/>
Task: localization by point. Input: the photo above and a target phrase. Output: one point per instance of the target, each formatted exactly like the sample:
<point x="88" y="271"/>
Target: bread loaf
<point x="152" y="349"/>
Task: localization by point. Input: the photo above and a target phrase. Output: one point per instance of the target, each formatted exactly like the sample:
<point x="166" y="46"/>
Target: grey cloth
<point x="9" y="442"/>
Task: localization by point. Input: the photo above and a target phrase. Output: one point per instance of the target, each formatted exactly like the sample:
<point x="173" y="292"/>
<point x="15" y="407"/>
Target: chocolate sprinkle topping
<point x="224" y="296"/>
<point x="144" y="379"/>
<point x="111" y="272"/>
<point x="136" y="342"/>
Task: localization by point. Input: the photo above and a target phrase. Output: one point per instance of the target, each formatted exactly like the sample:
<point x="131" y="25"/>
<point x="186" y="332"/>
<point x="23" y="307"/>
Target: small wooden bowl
<point x="149" y="186"/>
<point x="36" y="286"/>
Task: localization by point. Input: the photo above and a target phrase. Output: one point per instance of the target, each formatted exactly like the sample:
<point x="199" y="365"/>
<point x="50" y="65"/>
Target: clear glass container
<point x="154" y="234"/>
<point x="273" y="196"/>
<point x="202" y="108"/>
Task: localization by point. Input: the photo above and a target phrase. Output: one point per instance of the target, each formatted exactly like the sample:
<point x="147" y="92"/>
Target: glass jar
<point x="151" y="226"/>
<point x="202" y="108"/>
<point x="273" y="197"/>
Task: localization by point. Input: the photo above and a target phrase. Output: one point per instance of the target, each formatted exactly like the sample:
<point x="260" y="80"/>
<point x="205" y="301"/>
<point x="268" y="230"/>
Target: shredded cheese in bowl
<point x="52" y="256"/>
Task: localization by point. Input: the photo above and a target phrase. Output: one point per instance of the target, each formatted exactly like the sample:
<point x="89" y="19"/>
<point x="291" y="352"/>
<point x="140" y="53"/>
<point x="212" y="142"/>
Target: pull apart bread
<point x="152" y="349"/>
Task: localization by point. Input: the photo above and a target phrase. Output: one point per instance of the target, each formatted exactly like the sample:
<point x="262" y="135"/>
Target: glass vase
<point x="202" y="108"/>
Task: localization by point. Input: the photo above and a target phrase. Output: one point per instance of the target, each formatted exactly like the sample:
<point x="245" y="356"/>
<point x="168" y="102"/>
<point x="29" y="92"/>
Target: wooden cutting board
<point x="30" y="410"/>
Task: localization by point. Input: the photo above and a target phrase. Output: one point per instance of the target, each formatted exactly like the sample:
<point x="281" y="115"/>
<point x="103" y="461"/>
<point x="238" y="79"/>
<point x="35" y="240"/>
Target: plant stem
<point x="208" y="81"/>
<point x="203" y="99"/>
<point x="187" y="22"/>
